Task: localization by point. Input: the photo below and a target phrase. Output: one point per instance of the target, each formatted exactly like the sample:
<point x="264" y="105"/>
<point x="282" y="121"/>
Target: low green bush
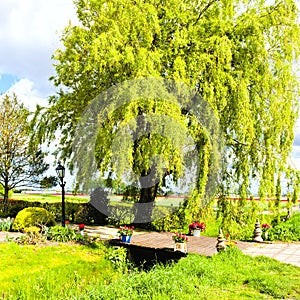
<point x="85" y="213"/>
<point x="32" y="236"/>
<point x="120" y="213"/>
<point x="14" y="207"/>
<point x="287" y="231"/>
<point x="75" y="212"/>
<point x="168" y="219"/>
<point x="62" y="234"/>
<point x="33" y="216"/>
<point x="118" y="257"/>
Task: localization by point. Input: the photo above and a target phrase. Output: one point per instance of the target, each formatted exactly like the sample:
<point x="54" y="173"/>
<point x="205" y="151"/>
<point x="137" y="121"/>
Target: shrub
<point x="122" y="213"/>
<point x="62" y="234"/>
<point x="33" y="216"/>
<point x="118" y="256"/>
<point x="167" y="220"/>
<point x="75" y="212"/>
<point x="14" y="207"/>
<point x="32" y="236"/>
<point x="32" y="230"/>
<point x="286" y="231"/>
<point x="86" y="213"/>
<point x="54" y="209"/>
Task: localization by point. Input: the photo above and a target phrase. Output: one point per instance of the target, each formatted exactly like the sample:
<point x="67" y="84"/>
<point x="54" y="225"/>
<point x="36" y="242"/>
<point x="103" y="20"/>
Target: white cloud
<point x="30" y="33"/>
<point x="24" y="89"/>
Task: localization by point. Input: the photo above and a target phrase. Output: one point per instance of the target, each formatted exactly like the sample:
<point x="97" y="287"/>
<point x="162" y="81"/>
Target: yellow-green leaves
<point x="238" y="55"/>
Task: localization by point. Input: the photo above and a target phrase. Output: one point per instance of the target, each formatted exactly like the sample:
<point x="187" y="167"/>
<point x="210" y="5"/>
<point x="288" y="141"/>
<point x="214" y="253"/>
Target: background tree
<point x="49" y="182"/>
<point x="20" y="165"/>
<point x="238" y="55"/>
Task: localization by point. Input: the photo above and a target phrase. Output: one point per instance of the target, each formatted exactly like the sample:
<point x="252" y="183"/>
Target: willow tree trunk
<point x="143" y="209"/>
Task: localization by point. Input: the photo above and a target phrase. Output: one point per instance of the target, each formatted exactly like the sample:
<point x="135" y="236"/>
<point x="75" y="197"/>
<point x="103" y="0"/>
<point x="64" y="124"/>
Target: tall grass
<point x="230" y="275"/>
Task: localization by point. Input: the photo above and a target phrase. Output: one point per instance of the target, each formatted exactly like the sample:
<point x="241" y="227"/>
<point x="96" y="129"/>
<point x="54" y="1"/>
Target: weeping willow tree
<point x="152" y="139"/>
<point x="239" y="56"/>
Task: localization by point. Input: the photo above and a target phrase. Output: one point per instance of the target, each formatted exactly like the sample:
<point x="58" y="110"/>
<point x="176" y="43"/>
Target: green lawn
<point x="48" y="198"/>
<point x="67" y="271"/>
<point x="223" y="276"/>
<point x="51" y="272"/>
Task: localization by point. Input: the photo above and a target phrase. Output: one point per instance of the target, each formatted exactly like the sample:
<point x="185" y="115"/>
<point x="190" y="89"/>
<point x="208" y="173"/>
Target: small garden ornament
<point x="221" y="246"/>
<point x="257" y="232"/>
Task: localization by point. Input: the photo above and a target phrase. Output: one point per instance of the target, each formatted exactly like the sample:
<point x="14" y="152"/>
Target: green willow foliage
<point x="238" y="55"/>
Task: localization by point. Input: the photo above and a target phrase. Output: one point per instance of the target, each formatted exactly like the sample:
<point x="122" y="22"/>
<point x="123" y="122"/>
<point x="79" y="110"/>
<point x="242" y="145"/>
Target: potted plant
<point x="196" y="227"/>
<point x="125" y="232"/>
<point x="180" y="240"/>
<point x="81" y="229"/>
<point x="265" y="227"/>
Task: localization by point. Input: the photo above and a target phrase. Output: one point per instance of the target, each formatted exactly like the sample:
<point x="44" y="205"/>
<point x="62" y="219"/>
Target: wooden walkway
<point x="201" y="245"/>
<point x="148" y="249"/>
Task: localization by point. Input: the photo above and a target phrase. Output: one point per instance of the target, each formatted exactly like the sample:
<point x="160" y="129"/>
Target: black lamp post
<point x="60" y="170"/>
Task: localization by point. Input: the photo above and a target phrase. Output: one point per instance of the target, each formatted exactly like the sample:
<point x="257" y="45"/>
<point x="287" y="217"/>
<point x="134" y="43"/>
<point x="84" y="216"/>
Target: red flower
<point x="126" y="230"/>
<point x="197" y="225"/>
<point x="266" y="226"/>
<point x="67" y="222"/>
<point x="180" y="238"/>
<point x="81" y="226"/>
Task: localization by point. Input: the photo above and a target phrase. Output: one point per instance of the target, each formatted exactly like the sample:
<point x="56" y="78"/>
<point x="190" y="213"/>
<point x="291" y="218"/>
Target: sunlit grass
<point x="50" y="198"/>
<point x="51" y="272"/>
<point x="224" y="276"/>
<point x="69" y="271"/>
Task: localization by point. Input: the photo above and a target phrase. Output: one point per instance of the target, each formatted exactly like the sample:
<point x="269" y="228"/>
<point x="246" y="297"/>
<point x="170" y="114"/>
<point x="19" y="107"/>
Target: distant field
<point x="174" y="201"/>
<point x="52" y="198"/>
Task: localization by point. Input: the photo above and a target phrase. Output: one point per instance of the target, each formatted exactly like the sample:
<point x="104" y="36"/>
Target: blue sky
<point x="30" y="33"/>
<point x="7" y="81"/>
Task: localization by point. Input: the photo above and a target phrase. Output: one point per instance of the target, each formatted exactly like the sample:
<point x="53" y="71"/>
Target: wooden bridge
<point x="151" y="247"/>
